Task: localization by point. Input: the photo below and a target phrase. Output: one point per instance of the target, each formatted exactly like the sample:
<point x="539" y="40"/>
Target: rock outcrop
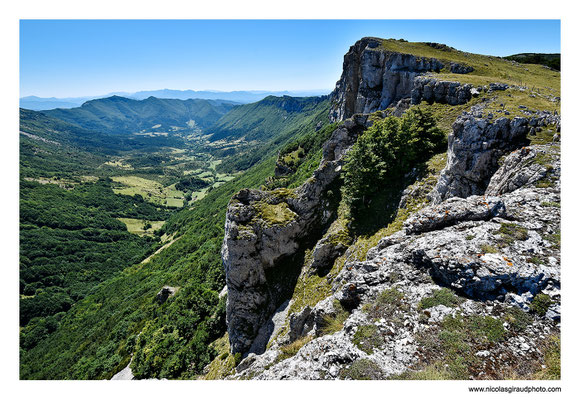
<point x="432" y="90"/>
<point x="497" y="252"/>
<point x="165" y="293"/>
<point x="474" y="149"/>
<point x="373" y="79"/>
<point x="524" y="168"/>
<point x="263" y="234"/>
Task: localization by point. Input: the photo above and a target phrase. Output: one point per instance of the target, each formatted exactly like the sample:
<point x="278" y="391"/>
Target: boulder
<point x="474" y="149"/>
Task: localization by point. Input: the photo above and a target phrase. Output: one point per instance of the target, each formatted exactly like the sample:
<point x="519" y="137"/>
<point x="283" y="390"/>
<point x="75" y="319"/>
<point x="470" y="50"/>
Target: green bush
<point x="367" y="338"/>
<point x="386" y="151"/>
<point x="487" y="326"/>
<point x="517" y="318"/>
<point x="540" y="304"/>
<point x="443" y="296"/>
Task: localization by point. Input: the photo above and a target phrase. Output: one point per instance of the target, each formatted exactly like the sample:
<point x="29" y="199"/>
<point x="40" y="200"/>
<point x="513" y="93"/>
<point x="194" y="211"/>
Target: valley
<point x="136" y="185"/>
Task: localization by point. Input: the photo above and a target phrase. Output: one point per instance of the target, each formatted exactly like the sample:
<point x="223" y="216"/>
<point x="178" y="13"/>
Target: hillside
<point x="264" y="118"/>
<point x="266" y="125"/>
<point x="122" y="115"/>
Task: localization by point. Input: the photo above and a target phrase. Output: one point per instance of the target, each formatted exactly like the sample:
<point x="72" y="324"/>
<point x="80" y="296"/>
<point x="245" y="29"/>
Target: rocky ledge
<point x="264" y="232"/>
<point x="481" y="272"/>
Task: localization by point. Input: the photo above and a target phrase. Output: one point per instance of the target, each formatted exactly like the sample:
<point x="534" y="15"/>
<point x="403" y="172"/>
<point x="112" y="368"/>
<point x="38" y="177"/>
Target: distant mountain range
<point x="121" y="115"/>
<point x="244" y="96"/>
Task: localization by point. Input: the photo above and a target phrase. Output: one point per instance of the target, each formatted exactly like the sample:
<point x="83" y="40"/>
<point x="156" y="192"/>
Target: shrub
<point x="517" y="318"/>
<point x="487" y="326"/>
<point x="367" y="337"/>
<point x="387" y="150"/>
<point x="443" y="296"/>
<point x="362" y="369"/>
<point x="386" y="303"/>
<point x="540" y="304"/>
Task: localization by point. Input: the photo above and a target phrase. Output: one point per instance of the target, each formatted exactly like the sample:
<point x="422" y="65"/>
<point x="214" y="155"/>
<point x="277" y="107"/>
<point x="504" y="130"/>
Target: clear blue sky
<point x="92" y="57"/>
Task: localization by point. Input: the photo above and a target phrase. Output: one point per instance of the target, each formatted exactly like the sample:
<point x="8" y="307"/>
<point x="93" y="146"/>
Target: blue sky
<point x="68" y="58"/>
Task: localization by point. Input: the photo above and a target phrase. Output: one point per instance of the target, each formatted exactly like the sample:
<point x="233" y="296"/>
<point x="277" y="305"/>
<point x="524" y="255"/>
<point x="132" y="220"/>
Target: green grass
<point x="275" y="214"/>
<point x="484" y="66"/>
<point x="362" y="369"/>
<point x="453" y="344"/>
<point x="434" y="372"/>
<point x="224" y="364"/>
<point x="552" y="358"/>
<point x="443" y="296"/>
<point x="151" y="190"/>
<point x="334" y="322"/>
<point x="291" y="349"/>
<point x="542" y="84"/>
<point x="367" y="338"/>
<point x="510" y="232"/>
<point x="550" y="204"/>
<point x="136" y="226"/>
<point x="489" y="249"/>
<point x="554" y="238"/>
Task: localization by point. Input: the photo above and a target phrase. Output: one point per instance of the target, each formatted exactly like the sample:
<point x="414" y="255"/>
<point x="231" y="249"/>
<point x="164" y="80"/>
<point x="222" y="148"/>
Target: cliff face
<point x="373" y="79"/>
<point x="474" y="149"/>
<point x="264" y="233"/>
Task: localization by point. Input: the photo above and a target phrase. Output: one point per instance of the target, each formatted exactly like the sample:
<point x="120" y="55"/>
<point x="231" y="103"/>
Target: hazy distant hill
<point x="122" y="115"/>
<point x="241" y="96"/>
<point x="42" y="103"/>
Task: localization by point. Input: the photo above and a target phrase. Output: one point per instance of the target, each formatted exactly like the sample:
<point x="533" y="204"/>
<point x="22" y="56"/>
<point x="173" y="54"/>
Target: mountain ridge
<point x="240" y="96"/>
<point x="118" y="114"/>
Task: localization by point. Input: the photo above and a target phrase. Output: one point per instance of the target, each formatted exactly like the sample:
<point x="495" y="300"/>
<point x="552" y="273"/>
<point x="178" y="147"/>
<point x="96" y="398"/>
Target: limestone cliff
<point x="474" y="149"/>
<point x="263" y="234"/>
<point x="373" y="79"/>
